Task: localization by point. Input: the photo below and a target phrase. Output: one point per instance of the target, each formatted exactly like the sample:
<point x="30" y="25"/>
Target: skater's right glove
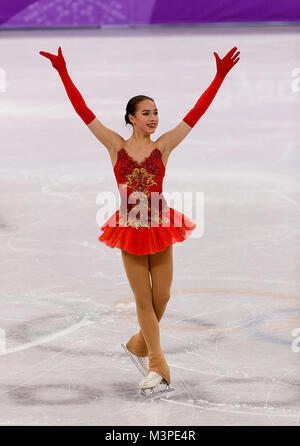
<point x="59" y="63"/>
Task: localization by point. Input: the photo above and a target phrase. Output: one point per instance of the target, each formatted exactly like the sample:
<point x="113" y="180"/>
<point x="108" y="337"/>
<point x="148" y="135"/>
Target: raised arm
<point x="172" y="138"/>
<point x="110" y="139"/>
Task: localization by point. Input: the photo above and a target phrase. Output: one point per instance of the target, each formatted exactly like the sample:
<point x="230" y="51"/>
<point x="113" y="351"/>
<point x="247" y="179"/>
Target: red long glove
<point x="58" y="62"/>
<point x="223" y="67"/>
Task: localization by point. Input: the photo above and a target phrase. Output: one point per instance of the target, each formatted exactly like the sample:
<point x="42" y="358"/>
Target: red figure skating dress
<point x="155" y="226"/>
<point x="165" y="226"/>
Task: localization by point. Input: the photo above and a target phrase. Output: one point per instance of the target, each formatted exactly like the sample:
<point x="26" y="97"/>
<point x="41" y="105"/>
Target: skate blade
<point x="133" y="360"/>
<point x="154" y="393"/>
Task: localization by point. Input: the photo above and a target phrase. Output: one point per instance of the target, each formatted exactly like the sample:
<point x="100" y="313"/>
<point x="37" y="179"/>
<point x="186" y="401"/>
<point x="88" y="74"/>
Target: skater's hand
<point x="224" y="65"/>
<point x="58" y="62"/>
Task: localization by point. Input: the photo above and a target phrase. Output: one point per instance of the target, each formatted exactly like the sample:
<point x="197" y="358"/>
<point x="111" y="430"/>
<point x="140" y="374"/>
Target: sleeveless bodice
<point x="140" y="187"/>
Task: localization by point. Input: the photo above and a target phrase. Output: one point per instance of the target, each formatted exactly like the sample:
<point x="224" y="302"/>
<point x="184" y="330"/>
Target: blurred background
<point x="127" y="13"/>
<point x="230" y="330"/>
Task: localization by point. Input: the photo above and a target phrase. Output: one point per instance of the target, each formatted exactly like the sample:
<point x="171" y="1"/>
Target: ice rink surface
<point x="229" y="332"/>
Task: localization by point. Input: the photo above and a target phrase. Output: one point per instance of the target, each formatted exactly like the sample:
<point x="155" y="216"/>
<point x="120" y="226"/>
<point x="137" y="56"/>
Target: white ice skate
<point x="152" y="381"/>
<point x="141" y="363"/>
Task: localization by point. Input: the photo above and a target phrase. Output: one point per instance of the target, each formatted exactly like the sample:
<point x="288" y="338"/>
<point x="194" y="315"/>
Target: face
<point x="146" y="113"/>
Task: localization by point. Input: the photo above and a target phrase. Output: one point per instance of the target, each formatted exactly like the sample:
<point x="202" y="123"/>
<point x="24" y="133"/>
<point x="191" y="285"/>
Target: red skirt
<point x="146" y="240"/>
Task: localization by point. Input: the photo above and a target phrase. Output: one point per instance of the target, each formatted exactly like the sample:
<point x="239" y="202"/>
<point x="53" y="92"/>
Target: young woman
<point x="146" y="244"/>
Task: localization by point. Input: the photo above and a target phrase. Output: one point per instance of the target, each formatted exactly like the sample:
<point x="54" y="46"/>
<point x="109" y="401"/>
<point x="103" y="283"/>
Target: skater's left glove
<point x="223" y="67"/>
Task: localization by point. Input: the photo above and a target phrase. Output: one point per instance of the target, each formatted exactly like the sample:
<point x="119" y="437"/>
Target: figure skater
<point x="146" y="244"/>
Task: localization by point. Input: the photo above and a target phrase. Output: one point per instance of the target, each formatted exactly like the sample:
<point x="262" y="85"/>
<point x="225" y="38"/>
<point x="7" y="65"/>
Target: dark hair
<point x="131" y="106"/>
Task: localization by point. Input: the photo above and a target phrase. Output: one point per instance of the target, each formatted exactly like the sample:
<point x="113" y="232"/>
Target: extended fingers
<point x="48" y="55"/>
<point x="230" y="53"/>
<point x="235" y="56"/>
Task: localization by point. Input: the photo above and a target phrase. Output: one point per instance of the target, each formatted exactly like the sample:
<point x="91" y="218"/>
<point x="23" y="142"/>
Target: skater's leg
<point x="137" y="271"/>
<point x="161" y="270"/>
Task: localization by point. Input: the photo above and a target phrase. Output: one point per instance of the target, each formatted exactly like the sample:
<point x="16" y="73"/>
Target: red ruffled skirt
<point x="146" y="240"/>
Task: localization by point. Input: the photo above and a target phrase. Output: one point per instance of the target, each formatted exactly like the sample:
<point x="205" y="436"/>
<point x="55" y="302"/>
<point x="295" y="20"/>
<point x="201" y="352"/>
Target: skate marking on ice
<point x="131" y="356"/>
<point x="84" y="322"/>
